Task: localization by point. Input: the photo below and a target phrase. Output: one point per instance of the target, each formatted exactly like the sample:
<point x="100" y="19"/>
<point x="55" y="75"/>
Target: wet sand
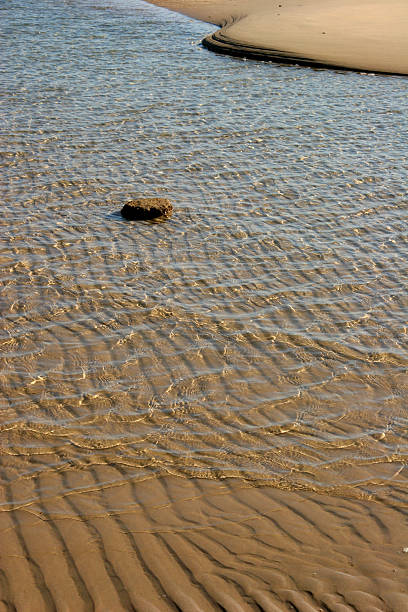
<point x="195" y="544"/>
<point x="367" y="35"/>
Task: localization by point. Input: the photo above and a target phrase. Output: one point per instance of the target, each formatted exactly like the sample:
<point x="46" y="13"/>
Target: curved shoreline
<point x="217" y="43"/>
<point x="364" y="36"/>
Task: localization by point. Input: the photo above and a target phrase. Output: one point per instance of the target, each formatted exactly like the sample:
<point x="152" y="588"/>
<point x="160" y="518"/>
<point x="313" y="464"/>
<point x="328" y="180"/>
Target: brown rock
<point x="147" y="208"/>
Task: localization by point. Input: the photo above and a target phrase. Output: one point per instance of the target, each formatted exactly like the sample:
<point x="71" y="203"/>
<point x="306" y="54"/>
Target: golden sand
<point x="368" y="35"/>
<point x="201" y="545"/>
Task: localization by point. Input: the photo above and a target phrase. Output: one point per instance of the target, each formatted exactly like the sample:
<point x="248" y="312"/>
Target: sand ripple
<point x="173" y="543"/>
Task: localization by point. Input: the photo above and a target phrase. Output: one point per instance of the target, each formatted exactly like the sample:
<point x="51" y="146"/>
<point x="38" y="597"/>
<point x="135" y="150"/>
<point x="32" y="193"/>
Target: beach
<point x="369" y="35"/>
<point x="198" y="544"/>
<point x="207" y="411"/>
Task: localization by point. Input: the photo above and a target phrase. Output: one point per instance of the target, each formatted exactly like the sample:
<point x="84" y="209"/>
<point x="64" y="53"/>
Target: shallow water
<point x="261" y="332"/>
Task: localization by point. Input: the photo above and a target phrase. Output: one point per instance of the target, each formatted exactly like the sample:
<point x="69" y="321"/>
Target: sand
<point x="366" y="35"/>
<point x="200" y="545"/>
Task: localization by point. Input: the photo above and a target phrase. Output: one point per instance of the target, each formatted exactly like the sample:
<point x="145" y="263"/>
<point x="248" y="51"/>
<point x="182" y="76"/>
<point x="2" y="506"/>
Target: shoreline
<point x="367" y="36"/>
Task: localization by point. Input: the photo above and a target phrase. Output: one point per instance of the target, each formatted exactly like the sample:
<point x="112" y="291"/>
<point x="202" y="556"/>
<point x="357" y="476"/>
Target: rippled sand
<point x="361" y="35"/>
<point x="207" y="413"/>
<point x="193" y="544"/>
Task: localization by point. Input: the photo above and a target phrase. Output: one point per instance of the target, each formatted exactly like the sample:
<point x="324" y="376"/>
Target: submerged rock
<point x="147" y="208"/>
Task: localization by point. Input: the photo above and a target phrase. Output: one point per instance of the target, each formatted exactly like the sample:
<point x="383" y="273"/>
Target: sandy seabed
<point x="367" y="35"/>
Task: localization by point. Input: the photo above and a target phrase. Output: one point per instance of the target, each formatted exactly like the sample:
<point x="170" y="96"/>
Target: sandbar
<point x="363" y="35"/>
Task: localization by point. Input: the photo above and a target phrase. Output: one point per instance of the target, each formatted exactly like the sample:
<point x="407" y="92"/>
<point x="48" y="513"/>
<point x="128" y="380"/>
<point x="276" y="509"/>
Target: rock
<point x="147" y="208"/>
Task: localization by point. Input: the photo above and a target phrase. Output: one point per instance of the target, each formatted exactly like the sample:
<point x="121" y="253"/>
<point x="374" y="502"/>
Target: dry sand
<point x="369" y="35"/>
